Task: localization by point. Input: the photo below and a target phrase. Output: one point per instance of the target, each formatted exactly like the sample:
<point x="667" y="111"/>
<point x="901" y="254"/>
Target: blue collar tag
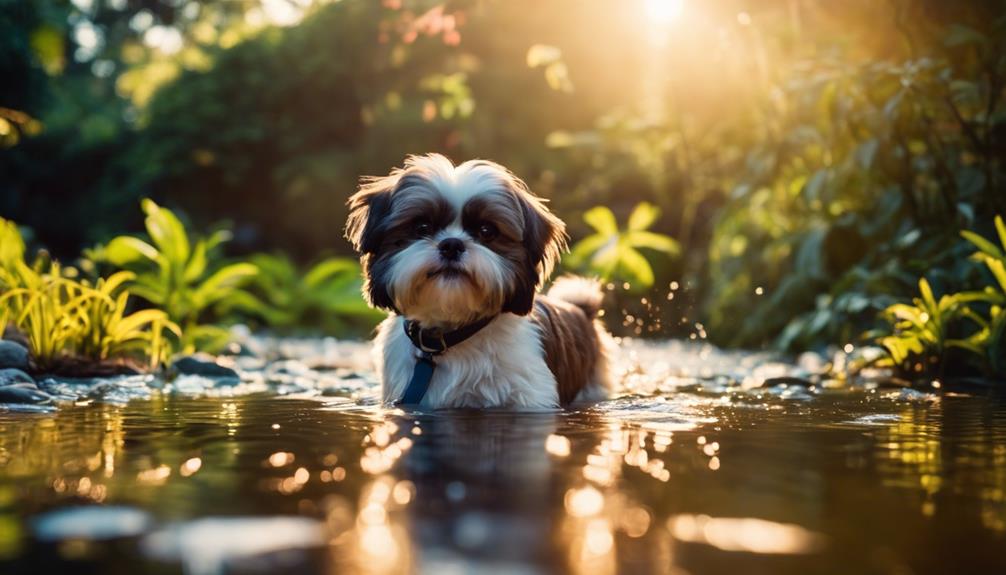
<point x="432" y="342"/>
<point x="421" y="376"/>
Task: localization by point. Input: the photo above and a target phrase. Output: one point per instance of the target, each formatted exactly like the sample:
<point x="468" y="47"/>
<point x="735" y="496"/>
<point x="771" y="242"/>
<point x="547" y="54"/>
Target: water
<point x="699" y="468"/>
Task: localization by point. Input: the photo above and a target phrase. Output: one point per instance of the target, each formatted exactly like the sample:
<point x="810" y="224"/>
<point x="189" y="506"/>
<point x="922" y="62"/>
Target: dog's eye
<point x="486" y="231"/>
<point x="422" y="228"/>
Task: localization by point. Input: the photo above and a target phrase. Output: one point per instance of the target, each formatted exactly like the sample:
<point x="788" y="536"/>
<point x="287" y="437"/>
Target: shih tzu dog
<point x="457" y="254"/>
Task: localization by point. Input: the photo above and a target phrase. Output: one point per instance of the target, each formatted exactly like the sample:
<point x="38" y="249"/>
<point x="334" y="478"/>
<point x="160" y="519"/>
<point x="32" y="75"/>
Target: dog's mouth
<point x="449" y="271"/>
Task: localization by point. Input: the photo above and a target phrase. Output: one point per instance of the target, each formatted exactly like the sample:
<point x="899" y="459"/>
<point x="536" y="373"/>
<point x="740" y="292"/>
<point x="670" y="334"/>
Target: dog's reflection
<point x="482" y="483"/>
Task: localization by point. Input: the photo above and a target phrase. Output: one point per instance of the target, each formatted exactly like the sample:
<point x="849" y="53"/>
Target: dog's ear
<point x="368" y="207"/>
<point x="544" y="241"/>
<point x="375" y="284"/>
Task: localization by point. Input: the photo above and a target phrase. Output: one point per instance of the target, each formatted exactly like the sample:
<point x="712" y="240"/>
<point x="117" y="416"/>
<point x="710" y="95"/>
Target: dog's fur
<point x="540" y="351"/>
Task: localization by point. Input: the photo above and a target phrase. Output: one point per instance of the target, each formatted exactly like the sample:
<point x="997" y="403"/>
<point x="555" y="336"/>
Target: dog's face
<point x="446" y="245"/>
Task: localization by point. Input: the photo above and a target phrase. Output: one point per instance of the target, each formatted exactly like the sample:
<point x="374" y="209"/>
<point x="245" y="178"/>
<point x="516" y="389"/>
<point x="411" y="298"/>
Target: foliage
<point x="178" y="274"/>
<point x="65" y="318"/>
<point x="613" y="254"/>
<point x="325" y="297"/>
<point x="870" y="172"/>
<point x="110" y="333"/>
<point x="47" y="308"/>
<point x="921" y="335"/>
<point x="923" y="331"/>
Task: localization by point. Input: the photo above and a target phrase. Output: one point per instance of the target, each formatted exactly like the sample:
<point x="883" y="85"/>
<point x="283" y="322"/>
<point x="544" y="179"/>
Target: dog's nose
<point x="451" y="248"/>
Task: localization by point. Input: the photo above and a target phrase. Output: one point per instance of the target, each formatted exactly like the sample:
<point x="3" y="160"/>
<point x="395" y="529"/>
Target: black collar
<point x="433" y="341"/>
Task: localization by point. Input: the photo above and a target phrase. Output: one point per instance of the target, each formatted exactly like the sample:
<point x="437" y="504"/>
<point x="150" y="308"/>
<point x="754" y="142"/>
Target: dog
<point x="457" y="254"/>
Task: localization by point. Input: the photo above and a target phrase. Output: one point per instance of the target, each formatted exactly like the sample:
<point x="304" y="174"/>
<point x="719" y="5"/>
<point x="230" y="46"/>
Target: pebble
<point x="13" y="355"/>
<point x="10" y="376"/>
<point x="23" y="393"/>
<point x="204" y="365"/>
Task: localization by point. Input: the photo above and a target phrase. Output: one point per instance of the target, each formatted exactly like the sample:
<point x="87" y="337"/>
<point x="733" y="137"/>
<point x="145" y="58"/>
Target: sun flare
<point x="663" y="11"/>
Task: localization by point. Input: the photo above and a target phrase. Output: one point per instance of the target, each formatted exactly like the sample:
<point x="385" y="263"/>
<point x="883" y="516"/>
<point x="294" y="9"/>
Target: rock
<point x="288" y="367"/>
<point x="204" y="365"/>
<point x="788" y="381"/>
<point x="23" y="393"/>
<point x="13" y="355"/>
<point x="812" y="362"/>
<point x="10" y="376"/>
<point x="236" y="349"/>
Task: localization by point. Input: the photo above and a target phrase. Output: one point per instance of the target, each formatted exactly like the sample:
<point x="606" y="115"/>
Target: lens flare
<point x="663" y="11"/>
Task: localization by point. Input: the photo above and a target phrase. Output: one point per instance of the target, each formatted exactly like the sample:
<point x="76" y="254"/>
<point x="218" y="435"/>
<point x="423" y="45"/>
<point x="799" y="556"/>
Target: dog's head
<point x="446" y="245"/>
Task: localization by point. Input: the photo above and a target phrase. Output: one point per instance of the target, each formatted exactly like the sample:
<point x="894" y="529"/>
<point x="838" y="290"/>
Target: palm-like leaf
<point x="177" y="273"/>
<point x="614" y="254"/>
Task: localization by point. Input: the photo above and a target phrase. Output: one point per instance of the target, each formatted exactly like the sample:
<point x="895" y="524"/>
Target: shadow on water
<point x="697" y="481"/>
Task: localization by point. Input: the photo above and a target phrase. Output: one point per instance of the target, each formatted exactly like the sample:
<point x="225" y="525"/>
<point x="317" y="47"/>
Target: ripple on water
<point x="875" y="419"/>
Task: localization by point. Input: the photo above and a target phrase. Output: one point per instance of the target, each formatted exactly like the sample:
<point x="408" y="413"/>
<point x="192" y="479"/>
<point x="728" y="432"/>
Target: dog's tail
<point x="582" y="292"/>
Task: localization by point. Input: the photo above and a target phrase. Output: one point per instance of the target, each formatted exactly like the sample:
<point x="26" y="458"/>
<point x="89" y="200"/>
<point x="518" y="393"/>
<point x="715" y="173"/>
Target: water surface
<point x="698" y="467"/>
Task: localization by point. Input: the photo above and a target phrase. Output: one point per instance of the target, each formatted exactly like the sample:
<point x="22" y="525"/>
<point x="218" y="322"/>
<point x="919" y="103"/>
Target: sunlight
<point x="663" y="12"/>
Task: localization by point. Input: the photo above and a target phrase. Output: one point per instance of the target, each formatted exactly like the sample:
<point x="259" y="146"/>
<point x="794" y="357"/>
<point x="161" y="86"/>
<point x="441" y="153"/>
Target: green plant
<point x="110" y="333"/>
<point x="990" y="340"/>
<point x="326" y="296"/>
<point x="922" y="330"/>
<point x="11" y="244"/>
<point x="613" y="253"/>
<point x="973" y="321"/>
<point x="46" y="307"/>
<point x="65" y="319"/>
<point x="870" y="171"/>
<point x="178" y="275"/>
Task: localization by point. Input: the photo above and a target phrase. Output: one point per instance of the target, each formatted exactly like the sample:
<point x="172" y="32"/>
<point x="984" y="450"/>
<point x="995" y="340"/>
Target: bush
<point x="65" y="320"/>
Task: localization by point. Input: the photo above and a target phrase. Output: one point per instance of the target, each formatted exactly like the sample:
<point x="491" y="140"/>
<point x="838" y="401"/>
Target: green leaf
<point x="602" y="220"/>
<point x="209" y="338"/>
<point x="982" y="244"/>
<point x="636" y="265"/>
<point x="653" y="241"/>
<point x="643" y="216"/>
<point x="167" y="232"/>
<point x="927" y="296"/>
<point x="112" y="282"/>
<point x="584" y="248"/>
<point x="124" y="250"/>
<point x="1001" y="230"/>
<point x="998" y="269"/>
<point x="605" y="260"/>
<point x="960" y="35"/>
<point x="49" y="46"/>
<point x="136" y="321"/>
<point x="220" y="284"/>
<point x="217" y="238"/>
<point x="196" y="265"/>
<point x="329" y="268"/>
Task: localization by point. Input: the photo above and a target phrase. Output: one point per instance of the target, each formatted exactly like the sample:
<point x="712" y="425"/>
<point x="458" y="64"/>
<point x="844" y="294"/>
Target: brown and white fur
<point x="446" y="245"/>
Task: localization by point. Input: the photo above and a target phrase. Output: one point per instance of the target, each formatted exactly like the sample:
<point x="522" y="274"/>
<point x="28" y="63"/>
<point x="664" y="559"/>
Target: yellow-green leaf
<point x="636" y="265"/>
<point x="983" y="244"/>
<point x="1001" y="230"/>
<point x="167" y="232"/>
<point x="653" y="241"/>
<point x="602" y="220"/>
<point x="643" y="216"/>
<point x="126" y="249"/>
<point x="587" y="246"/>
